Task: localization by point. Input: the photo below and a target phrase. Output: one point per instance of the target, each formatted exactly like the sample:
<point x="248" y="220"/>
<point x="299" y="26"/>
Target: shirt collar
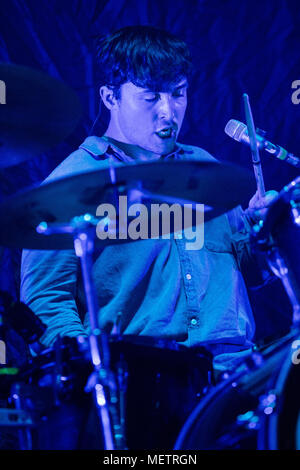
<point x="99" y="146"/>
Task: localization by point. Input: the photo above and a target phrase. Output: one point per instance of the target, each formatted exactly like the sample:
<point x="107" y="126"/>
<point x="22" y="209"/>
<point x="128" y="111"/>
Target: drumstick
<point x="254" y="148"/>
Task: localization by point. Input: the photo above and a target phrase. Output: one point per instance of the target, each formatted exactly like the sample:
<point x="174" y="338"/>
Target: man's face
<point x="147" y="119"/>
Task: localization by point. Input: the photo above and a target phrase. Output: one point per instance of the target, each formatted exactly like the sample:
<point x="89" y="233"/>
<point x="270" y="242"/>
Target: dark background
<point x="237" y="47"/>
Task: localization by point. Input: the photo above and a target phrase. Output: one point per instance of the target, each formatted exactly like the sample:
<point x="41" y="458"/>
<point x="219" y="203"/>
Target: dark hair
<point x="147" y="56"/>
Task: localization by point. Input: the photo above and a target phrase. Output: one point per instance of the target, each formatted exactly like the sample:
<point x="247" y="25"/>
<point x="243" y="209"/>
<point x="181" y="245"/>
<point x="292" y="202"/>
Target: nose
<point x="166" y="110"/>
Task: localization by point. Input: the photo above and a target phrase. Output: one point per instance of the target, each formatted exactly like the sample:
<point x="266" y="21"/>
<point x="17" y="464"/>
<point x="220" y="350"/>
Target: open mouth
<point x="166" y="133"/>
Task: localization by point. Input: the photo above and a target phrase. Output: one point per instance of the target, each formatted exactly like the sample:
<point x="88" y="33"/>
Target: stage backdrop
<point x="237" y="47"/>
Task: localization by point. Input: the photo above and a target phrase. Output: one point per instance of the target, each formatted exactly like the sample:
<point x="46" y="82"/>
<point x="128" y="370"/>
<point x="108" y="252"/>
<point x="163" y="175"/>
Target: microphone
<point x="238" y="131"/>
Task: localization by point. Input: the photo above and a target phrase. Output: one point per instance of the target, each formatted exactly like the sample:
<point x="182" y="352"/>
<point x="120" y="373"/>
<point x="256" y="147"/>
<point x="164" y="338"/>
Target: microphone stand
<point x="254" y="148"/>
<point x="276" y="261"/>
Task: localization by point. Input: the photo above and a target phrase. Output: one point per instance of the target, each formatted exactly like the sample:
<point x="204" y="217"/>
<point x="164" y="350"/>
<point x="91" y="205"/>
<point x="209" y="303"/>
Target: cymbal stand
<point x="278" y="265"/>
<point x="276" y="260"/>
<point x="102" y="379"/>
<point x="280" y="269"/>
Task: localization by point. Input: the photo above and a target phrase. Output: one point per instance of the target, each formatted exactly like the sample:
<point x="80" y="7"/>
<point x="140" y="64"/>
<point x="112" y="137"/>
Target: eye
<point x="152" y="97"/>
<point x="179" y="94"/>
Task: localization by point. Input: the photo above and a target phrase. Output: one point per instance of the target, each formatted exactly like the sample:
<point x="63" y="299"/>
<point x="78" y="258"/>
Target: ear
<point x="107" y="96"/>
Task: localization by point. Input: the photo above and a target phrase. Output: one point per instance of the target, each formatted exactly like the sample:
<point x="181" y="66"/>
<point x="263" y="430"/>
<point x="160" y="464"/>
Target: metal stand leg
<point x="84" y="246"/>
<point x="24" y="433"/>
<point x="102" y="381"/>
<point x="280" y="269"/>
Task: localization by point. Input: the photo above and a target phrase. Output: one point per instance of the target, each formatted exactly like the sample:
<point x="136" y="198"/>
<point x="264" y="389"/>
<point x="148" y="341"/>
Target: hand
<point x="258" y="206"/>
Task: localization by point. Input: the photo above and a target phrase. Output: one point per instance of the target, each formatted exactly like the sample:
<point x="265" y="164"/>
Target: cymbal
<point x="219" y="186"/>
<point x="39" y="111"/>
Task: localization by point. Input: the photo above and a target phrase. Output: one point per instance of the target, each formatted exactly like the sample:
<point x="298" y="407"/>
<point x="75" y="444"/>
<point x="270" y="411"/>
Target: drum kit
<point x="111" y="391"/>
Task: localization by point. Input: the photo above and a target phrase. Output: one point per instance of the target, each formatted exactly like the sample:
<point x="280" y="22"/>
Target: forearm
<point x="48" y="287"/>
<point x="252" y="263"/>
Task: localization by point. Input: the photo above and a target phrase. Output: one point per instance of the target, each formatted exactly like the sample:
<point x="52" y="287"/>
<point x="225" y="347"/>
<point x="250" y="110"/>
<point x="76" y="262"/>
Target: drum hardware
<point x="291" y="193"/>
<point x="50" y="390"/>
<point x="102" y="380"/>
<point x="267" y="403"/>
<point x="276" y="261"/>
<point x="280" y="269"/>
<point x="248" y="420"/>
<point x="19" y="422"/>
<point x="253" y="409"/>
<point x="18" y="317"/>
<point x="24" y="213"/>
<point x="269" y="236"/>
<point x="24" y="435"/>
<point x="228" y="381"/>
<point x="35" y="213"/>
<point x="58" y="379"/>
<point x="15" y="418"/>
<point x="82" y="193"/>
<point x="137" y="362"/>
<point x="296" y="212"/>
<point x="159" y="374"/>
<point x="122" y="378"/>
<point x="243" y="428"/>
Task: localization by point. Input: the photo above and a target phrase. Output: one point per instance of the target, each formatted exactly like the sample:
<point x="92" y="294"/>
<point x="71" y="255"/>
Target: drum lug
<point x="295" y="212"/>
<point x="18" y="396"/>
<point x="248" y="420"/>
<point x="255" y="360"/>
<point x="292" y="194"/>
<point x="267" y="402"/>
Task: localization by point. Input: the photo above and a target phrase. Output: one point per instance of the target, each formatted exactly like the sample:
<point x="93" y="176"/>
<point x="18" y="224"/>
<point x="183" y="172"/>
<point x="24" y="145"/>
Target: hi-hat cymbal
<point x="219" y="186"/>
<point x="36" y="112"/>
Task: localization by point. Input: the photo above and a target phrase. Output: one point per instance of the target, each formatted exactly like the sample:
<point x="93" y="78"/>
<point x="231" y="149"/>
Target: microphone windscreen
<point x="235" y="129"/>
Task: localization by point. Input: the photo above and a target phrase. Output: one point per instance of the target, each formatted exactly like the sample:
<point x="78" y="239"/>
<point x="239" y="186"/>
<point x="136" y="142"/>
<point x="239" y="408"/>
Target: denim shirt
<point x="152" y="287"/>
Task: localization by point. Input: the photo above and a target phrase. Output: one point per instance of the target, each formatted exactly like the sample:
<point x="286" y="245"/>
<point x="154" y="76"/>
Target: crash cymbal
<point x="36" y="112"/>
<point x="217" y="185"/>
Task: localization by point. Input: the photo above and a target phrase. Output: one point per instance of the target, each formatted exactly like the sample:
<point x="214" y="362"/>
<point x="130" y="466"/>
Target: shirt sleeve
<point x="252" y="263"/>
<point x="48" y="287"/>
<point x="49" y="278"/>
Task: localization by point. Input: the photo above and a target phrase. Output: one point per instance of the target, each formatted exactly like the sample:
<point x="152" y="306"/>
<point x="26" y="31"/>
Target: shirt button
<point x="194" y="321"/>
<point x="188" y="276"/>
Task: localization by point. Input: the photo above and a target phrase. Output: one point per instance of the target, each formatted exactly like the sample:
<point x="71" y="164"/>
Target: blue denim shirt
<point x="155" y="288"/>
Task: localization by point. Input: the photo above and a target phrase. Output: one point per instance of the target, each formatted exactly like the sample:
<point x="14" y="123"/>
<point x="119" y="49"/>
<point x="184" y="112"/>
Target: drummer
<point x="154" y="288"/>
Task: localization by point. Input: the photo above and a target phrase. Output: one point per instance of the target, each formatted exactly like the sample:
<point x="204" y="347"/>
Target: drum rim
<point x="204" y="403"/>
<point x="268" y="434"/>
<point x="278" y="379"/>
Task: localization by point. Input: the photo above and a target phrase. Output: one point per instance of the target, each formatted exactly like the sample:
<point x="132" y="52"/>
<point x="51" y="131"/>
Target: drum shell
<point x="162" y="382"/>
<point x="51" y="389"/>
<point x="220" y="420"/>
<point x="165" y="382"/>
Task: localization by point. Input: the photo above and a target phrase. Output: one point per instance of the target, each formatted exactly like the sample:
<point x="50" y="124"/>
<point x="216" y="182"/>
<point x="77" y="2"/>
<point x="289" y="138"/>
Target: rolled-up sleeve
<point x="49" y="278"/>
<point x="48" y="287"/>
<point x="252" y="263"/>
